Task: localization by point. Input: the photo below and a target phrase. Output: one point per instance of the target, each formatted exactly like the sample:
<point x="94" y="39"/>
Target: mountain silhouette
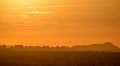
<point x="108" y="46"/>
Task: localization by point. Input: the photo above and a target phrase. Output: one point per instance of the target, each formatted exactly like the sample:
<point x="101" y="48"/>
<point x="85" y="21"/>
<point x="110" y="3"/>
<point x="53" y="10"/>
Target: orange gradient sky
<point x="59" y="22"/>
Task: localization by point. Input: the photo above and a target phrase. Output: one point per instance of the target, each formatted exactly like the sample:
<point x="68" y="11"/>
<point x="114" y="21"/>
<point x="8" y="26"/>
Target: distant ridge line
<point x="105" y="46"/>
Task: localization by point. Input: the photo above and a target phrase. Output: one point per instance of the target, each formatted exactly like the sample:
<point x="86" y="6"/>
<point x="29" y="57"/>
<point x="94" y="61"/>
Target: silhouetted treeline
<point x="106" y="46"/>
<point x="42" y="47"/>
<point x="20" y="55"/>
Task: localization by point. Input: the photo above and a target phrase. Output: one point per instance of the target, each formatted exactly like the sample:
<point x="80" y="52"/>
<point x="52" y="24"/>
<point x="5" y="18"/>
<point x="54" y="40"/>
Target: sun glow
<point x="25" y="3"/>
<point x="22" y="0"/>
<point x="19" y="3"/>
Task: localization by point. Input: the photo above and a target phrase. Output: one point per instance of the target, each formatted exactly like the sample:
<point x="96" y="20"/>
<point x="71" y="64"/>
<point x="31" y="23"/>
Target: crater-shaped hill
<point x="108" y="46"/>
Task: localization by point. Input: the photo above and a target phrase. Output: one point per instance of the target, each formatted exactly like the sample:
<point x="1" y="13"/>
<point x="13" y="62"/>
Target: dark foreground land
<point x="58" y="58"/>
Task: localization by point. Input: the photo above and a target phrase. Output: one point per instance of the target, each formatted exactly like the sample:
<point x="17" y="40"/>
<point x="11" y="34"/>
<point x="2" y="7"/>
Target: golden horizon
<point x="59" y="22"/>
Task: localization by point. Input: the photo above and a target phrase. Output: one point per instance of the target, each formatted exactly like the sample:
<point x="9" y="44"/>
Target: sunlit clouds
<point x="24" y="15"/>
<point x="38" y="12"/>
<point x="64" y="21"/>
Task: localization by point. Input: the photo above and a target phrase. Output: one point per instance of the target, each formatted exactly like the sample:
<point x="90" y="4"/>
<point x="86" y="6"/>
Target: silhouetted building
<point x="65" y="47"/>
<point x="45" y="47"/>
<point x="29" y="47"/>
<point x="18" y="46"/>
<point x="37" y="47"/>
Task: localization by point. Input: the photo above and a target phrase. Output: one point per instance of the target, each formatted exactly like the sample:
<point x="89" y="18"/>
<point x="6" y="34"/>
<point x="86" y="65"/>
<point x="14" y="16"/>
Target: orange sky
<point x="59" y="22"/>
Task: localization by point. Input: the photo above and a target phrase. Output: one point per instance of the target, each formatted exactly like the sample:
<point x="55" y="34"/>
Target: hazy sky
<point x="59" y="22"/>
